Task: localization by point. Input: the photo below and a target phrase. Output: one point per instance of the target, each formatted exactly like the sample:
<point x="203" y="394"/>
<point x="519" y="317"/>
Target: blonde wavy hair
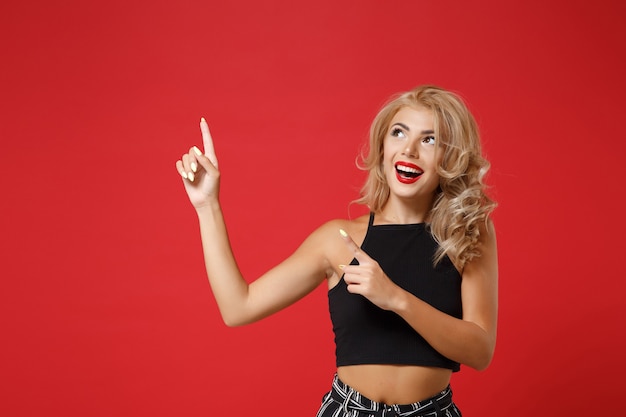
<point x="460" y="204"/>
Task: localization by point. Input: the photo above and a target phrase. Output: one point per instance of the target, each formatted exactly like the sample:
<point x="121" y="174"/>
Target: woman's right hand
<point x="199" y="171"/>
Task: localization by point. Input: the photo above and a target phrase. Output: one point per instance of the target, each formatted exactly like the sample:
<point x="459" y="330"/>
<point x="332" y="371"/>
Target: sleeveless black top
<point x="367" y="334"/>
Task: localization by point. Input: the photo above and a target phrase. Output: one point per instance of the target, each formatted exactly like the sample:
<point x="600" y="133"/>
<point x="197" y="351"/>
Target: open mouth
<point x="407" y="173"/>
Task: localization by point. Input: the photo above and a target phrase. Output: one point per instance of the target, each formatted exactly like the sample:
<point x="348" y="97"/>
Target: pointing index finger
<point x="346" y="237"/>
<point x="207" y="141"/>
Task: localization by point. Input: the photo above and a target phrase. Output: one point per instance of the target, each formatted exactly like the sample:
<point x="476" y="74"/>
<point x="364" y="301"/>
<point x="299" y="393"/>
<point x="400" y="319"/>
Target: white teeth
<point x="407" y="169"/>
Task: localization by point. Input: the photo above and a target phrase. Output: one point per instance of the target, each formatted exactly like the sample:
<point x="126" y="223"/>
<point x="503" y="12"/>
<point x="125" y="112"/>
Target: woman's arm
<point x="242" y="303"/>
<point x="470" y="340"/>
<point x="238" y="301"/>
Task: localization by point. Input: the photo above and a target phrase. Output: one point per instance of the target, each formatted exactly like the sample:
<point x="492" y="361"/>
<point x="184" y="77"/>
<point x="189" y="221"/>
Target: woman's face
<point x="409" y="158"/>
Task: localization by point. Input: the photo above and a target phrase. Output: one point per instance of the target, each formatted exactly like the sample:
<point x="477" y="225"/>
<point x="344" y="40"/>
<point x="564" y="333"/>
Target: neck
<point x="400" y="212"/>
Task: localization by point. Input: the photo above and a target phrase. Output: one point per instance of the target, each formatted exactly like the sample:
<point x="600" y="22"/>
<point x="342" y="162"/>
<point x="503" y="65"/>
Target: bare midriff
<point x="395" y="384"/>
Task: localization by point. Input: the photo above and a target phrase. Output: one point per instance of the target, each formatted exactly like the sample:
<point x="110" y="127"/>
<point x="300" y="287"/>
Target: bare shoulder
<point x="329" y="231"/>
<point x="485" y="265"/>
<point x="487" y="237"/>
<point x="488" y="226"/>
<point x="326" y="242"/>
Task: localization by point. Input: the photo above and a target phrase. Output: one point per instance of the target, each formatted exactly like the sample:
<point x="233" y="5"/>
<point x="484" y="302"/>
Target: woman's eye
<point x="429" y="140"/>
<point x="396" y="132"/>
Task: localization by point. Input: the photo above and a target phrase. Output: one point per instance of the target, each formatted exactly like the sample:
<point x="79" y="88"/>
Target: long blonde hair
<point x="460" y="204"/>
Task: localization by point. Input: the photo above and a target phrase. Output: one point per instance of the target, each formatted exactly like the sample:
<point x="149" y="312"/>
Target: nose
<point x="411" y="148"/>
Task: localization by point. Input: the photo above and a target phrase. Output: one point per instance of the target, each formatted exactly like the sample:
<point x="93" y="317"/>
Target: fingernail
<point x="343" y="233"/>
<point x="194" y="166"/>
<point x="197" y="151"/>
<point x="183" y="174"/>
<point x="342" y="266"/>
<point x="190" y="176"/>
<point x="202" y="120"/>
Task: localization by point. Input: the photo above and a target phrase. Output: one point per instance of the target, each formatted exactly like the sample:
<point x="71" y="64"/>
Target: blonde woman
<point x="412" y="286"/>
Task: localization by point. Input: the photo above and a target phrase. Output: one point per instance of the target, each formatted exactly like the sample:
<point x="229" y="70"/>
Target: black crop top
<point x="367" y="334"/>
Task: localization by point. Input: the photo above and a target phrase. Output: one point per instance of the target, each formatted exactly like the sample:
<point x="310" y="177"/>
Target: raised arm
<point x="239" y="302"/>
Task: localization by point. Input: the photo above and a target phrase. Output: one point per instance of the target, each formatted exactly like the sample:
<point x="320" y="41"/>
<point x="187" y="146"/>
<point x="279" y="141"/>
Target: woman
<point x="419" y="296"/>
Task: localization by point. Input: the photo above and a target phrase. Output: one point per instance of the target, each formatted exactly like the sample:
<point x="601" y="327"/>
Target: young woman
<point x="412" y="285"/>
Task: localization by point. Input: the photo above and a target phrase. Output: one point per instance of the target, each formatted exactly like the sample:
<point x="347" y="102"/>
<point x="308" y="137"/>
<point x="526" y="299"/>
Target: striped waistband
<point x="353" y="400"/>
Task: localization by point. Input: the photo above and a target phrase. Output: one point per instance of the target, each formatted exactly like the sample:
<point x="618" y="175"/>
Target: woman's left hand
<point x="368" y="279"/>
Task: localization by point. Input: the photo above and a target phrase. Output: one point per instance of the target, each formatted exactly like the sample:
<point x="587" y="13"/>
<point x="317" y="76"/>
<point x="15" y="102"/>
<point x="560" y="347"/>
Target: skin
<point x="325" y="253"/>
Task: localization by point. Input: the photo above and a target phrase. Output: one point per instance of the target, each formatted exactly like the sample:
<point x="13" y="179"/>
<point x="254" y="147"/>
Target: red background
<point x="105" y="306"/>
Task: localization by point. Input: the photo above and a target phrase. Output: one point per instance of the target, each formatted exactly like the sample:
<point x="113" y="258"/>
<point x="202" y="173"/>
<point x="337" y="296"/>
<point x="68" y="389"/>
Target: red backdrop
<point x="105" y="305"/>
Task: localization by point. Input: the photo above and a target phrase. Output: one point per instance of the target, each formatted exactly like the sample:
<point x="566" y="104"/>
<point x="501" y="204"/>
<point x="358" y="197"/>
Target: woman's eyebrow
<point x="405" y="127"/>
<point x="402" y="125"/>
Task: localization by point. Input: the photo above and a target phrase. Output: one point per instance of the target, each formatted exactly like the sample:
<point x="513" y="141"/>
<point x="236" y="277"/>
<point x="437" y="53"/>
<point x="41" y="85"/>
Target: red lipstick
<point x="407" y="173"/>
